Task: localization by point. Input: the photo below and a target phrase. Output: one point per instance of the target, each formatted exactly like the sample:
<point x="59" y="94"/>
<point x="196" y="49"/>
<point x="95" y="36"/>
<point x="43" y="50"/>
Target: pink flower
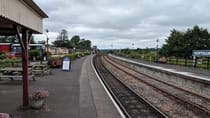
<point x="4" y="115"/>
<point x="39" y="94"/>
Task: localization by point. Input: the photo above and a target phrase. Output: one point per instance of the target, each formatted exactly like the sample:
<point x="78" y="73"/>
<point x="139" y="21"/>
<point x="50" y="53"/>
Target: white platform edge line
<point x="112" y="99"/>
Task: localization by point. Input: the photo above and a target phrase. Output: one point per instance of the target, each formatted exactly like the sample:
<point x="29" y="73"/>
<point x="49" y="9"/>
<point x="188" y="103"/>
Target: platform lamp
<point x="157" y="43"/>
<point x="157" y="50"/>
<point x="47" y="44"/>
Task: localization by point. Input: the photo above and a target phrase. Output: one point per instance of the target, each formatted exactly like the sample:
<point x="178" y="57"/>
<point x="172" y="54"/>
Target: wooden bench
<point x="16" y="76"/>
<point x="11" y="73"/>
<point x="41" y="69"/>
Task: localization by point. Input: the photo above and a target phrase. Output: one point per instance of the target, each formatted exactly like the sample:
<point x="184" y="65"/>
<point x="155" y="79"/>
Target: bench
<point x="11" y="72"/>
<point x="41" y="69"/>
<point x="16" y="76"/>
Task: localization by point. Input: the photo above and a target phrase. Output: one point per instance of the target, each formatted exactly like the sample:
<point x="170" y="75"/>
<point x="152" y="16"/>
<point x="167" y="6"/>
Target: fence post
<point x="194" y="61"/>
<point x="185" y="62"/>
<point x="169" y="60"/>
<point x="176" y="60"/>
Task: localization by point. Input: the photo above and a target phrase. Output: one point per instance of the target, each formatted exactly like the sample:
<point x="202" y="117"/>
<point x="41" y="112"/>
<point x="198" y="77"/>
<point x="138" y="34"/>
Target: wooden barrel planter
<point x="55" y="62"/>
<point x="59" y="62"/>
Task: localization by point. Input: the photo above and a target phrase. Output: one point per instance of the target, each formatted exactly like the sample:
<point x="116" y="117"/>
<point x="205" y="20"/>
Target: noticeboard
<point x="201" y="53"/>
<point x="66" y="66"/>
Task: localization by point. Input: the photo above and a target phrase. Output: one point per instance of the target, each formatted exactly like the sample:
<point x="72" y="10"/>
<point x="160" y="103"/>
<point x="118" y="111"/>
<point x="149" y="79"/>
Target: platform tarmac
<point x="74" y="94"/>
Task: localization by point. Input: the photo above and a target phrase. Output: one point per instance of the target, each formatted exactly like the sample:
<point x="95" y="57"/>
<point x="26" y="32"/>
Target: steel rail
<point x="157" y="112"/>
<point x="187" y="102"/>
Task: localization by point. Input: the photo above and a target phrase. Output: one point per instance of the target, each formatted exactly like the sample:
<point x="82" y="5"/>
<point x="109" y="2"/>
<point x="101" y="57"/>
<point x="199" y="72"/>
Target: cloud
<point x="123" y="22"/>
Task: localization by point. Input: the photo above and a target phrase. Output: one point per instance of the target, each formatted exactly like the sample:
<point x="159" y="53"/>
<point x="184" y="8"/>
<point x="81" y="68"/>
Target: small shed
<point x="22" y="18"/>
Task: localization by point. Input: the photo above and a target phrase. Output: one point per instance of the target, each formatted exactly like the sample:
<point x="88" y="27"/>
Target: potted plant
<point x="37" y="98"/>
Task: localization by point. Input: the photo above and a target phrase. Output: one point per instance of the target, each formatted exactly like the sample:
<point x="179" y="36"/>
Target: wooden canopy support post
<point x="16" y="22"/>
<point x="24" y="41"/>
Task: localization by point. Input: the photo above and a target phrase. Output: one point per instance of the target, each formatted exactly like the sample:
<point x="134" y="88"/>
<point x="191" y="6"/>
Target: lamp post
<point x="47" y="44"/>
<point x="157" y="50"/>
<point x="157" y="43"/>
<point x="132" y="50"/>
<point x="111" y="48"/>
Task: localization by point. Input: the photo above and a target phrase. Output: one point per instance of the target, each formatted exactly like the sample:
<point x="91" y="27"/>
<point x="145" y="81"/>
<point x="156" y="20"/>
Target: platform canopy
<point x="21" y="17"/>
<point x="24" y="13"/>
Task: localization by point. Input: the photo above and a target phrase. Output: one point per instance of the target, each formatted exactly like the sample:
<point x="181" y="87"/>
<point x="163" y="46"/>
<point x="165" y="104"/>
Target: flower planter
<point x="59" y="62"/>
<point x="4" y="115"/>
<point x="37" y="104"/>
<point x="37" y="98"/>
<point x="55" y="62"/>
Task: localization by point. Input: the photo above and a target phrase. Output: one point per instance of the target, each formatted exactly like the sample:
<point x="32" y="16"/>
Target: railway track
<point x="198" y="103"/>
<point x="132" y="105"/>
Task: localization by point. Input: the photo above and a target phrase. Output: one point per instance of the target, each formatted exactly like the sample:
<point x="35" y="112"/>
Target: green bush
<point x="3" y="56"/>
<point x="8" y="62"/>
<point x="75" y="55"/>
<point x="72" y="56"/>
<point x="34" y="53"/>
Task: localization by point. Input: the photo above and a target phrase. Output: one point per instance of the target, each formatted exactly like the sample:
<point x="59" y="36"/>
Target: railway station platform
<point x="202" y="74"/>
<point x="74" y="94"/>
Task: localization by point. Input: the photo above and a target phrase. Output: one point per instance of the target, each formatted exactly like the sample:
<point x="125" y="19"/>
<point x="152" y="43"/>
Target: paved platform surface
<point x="74" y="94"/>
<point x="188" y="71"/>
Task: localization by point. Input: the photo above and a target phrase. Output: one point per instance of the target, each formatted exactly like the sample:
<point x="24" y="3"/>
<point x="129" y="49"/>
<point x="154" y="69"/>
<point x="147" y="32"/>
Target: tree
<point x="85" y="44"/>
<point x="63" y="35"/>
<point x="62" y="40"/>
<point x="62" y="43"/>
<point x="139" y="51"/>
<point x="126" y="51"/>
<point x="181" y="44"/>
<point x="174" y="45"/>
<point x="75" y="41"/>
<point x="198" y="38"/>
<point x="8" y="39"/>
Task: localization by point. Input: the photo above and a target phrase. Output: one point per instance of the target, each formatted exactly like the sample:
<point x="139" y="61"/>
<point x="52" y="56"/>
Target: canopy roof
<point x="23" y="13"/>
<point x="36" y="8"/>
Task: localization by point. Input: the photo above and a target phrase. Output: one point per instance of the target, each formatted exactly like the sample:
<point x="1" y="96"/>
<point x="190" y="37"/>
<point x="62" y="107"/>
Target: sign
<point x="201" y="53"/>
<point x="66" y="64"/>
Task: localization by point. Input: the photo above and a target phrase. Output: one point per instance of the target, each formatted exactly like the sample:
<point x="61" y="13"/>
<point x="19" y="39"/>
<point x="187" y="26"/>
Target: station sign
<point x="201" y="53"/>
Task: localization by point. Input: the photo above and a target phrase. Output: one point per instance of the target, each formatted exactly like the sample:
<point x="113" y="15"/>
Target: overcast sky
<point x="122" y="23"/>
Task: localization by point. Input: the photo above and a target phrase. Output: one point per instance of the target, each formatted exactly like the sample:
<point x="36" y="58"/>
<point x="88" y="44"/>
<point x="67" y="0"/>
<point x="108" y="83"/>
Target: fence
<point x="199" y="62"/>
<point x="189" y="62"/>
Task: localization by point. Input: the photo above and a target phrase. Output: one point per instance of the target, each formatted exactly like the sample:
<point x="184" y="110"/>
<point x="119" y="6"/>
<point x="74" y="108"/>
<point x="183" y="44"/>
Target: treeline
<point x="181" y="44"/>
<point x="62" y="40"/>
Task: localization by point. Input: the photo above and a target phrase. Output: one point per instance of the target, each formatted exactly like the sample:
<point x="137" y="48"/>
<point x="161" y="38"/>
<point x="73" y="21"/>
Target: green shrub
<point x="72" y="56"/>
<point x="34" y="53"/>
<point x="3" y="56"/>
<point x="75" y="55"/>
<point x="8" y="62"/>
